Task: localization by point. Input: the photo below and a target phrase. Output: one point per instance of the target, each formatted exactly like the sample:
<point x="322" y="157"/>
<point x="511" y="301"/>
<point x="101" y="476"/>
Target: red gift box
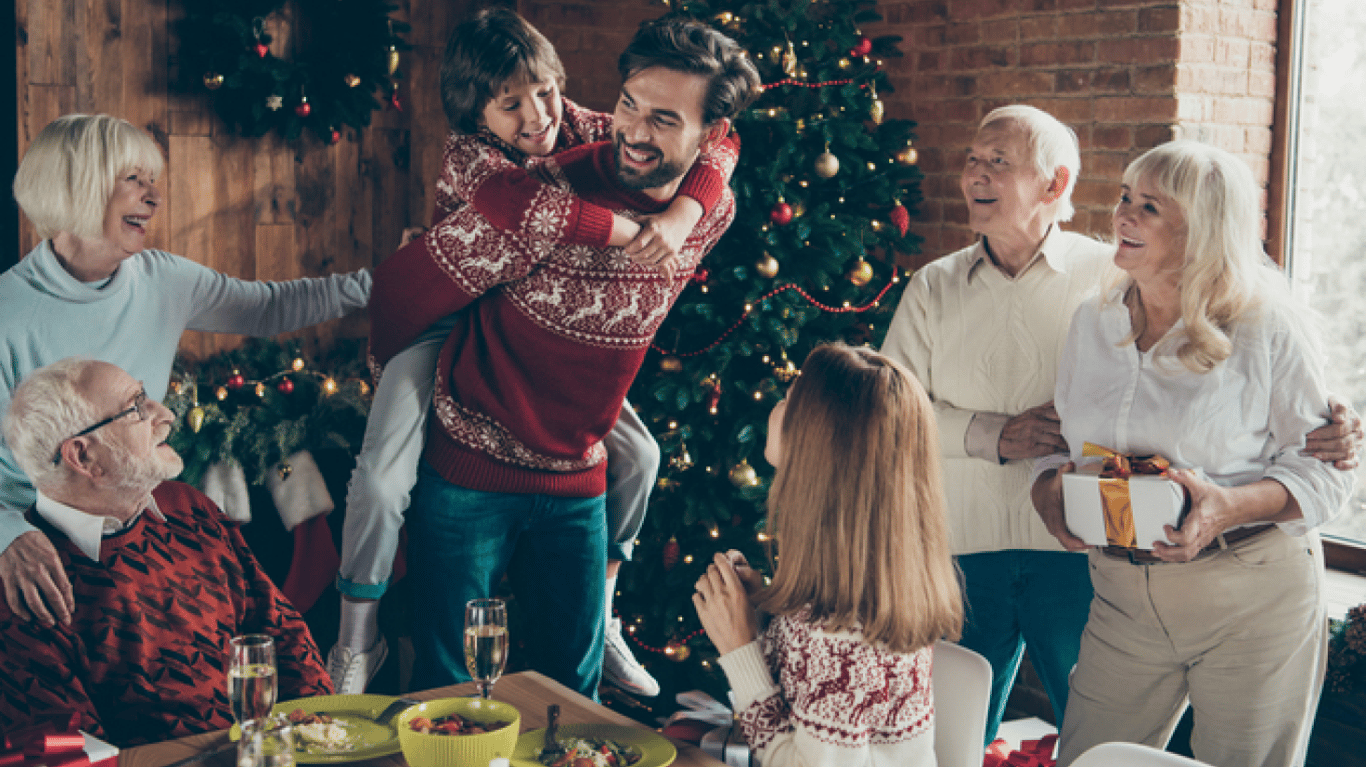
<point x="1032" y="753"/>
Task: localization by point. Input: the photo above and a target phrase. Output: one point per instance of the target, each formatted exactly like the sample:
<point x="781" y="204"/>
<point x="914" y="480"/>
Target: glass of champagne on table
<point x="251" y="677"/>
<point x="486" y="641"/>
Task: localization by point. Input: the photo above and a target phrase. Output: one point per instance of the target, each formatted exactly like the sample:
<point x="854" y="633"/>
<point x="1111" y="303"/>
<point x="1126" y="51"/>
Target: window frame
<point x="1339" y="553"/>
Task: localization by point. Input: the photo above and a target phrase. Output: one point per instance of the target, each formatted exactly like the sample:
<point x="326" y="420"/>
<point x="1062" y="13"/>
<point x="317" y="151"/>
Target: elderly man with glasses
<point x="163" y="581"/>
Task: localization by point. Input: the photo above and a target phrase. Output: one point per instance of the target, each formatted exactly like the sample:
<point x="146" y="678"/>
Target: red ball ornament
<point x="285" y="386"/>
<point x="781" y="214"/>
<point x="862" y="48"/>
<point x="900" y="218"/>
<point x="236" y="381"/>
<point x="336" y="135"/>
<point x="304" y="109"/>
<point x="670" y="555"/>
<point x="261" y="50"/>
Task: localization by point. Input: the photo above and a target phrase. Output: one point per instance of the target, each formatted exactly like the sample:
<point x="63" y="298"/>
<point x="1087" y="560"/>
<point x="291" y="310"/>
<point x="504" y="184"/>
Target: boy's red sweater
<point x="534" y="374"/>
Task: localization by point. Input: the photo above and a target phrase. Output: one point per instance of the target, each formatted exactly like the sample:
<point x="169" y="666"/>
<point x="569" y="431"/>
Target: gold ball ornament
<point x="827" y="165"/>
<point x="908" y="156"/>
<point x="351" y="81"/>
<point x="195" y="418"/>
<point x="743" y="475"/>
<point x="677" y="652"/>
<point x="844" y="63"/>
<point x="298" y="364"/>
<point x="213" y="80"/>
<point x="221" y="393"/>
<point x="671" y="364"/>
<point x="862" y="273"/>
<point x="767" y="267"/>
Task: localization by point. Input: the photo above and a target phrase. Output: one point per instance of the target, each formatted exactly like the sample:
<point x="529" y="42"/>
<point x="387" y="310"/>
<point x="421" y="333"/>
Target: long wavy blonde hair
<point x="857" y="505"/>
<point x="1226" y="275"/>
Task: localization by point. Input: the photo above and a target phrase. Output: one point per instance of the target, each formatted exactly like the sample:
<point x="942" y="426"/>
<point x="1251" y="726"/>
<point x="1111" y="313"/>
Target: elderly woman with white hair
<point x="93" y="288"/>
<point x="1199" y="354"/>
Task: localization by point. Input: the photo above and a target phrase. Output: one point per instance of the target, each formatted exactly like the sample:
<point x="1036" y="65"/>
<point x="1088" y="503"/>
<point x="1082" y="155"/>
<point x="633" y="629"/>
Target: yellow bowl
<point x="431" y="750"/>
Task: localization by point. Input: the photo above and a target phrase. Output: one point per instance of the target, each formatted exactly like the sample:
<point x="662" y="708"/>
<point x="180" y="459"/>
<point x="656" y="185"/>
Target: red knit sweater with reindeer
<point x="550" y="334"/>
<point x="146" y="655"/>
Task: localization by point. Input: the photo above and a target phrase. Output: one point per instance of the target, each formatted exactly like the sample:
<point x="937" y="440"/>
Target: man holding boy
<point x="534" y="373"/>
<point x="162" y="581"/>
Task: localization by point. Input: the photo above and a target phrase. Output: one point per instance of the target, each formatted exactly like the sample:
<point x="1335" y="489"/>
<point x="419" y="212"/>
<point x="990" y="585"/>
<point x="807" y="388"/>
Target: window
<point x="1326" y="201"/>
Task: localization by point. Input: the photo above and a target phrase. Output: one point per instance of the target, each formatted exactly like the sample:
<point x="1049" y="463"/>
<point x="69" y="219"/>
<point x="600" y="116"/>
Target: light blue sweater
<point x="135" y="320"/>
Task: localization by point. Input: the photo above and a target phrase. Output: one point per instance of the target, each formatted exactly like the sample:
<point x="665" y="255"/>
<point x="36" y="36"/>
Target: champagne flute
<point x="486" y="641"/>
<point x="251" y="677"/>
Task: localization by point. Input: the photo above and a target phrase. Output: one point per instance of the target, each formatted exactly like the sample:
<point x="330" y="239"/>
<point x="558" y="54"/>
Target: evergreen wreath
<point x="345" y="51"/>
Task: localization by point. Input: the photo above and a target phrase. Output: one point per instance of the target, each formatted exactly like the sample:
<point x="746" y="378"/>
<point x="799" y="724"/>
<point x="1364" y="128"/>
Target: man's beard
<point x="135" y="474"/>
<point x="662" y="174"/>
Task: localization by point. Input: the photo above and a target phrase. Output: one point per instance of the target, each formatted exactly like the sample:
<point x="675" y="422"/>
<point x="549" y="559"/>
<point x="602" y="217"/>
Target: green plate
<point x="657" y="749"/>
<point x="356" y="713"/>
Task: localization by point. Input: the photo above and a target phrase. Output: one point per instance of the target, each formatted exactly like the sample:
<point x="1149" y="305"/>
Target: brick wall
<point x="1126" y="74"/>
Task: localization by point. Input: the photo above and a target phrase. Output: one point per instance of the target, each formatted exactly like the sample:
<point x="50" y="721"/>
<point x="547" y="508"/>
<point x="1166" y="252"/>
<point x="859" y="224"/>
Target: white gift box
<point x="1154" y="501"/>
<point x="725" y="741"/>
<point x="728" y="744"/>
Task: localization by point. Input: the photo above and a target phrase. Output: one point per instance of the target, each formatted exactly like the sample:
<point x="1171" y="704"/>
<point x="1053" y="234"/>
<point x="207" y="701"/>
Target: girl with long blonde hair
<point x="863" y="580"/>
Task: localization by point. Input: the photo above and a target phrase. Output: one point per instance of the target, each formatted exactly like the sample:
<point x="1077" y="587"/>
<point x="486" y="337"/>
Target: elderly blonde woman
<point x="1200" y="355"/>
<point x="93" y="288"/>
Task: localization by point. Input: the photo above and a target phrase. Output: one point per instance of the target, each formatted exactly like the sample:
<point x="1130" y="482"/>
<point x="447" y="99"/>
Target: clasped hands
<point x="724" y="601"/>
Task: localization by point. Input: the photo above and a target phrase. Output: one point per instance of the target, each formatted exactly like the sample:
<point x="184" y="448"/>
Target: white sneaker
<point x="620" y="667"/>
<point x="351" y="671"/>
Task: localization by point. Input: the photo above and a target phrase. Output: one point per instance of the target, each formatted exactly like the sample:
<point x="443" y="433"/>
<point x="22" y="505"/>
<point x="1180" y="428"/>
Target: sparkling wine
<point x="251" y="690"/>
<point x="486" y="651"/>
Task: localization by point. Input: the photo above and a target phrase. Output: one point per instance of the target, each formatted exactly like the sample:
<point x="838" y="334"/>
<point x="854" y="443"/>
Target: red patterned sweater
<point x="146" y="656"/>
<point x="838" y="699"/>
<point x="533" y="375"/>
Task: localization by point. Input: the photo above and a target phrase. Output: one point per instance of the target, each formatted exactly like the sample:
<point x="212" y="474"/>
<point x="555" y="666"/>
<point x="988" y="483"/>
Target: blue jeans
<point x="1020" y="598"/>
<point x="461" y="542"/>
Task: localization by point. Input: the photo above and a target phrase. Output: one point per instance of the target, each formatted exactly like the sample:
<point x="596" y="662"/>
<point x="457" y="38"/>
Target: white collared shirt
<point x="88" y="531"/>
<point x="1244" y="421"/>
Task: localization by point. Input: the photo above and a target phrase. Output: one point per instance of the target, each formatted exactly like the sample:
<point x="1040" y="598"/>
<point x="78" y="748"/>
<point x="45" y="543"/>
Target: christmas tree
<point x="825" y="189"/>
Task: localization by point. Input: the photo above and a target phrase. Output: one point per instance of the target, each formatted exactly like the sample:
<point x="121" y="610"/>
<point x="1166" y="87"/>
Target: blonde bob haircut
<point x="68" y="173"/>
<point x="1048" y="144"/>
<point x="857" y="507"/>
<point x="1226" y="275"/>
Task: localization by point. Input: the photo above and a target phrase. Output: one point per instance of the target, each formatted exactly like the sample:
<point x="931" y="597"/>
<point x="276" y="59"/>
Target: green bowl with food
<point x="458" y="732"/>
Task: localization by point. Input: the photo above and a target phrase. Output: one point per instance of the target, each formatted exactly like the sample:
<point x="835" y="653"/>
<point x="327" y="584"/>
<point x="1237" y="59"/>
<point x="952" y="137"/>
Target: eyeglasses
<point x="141" y="405"/>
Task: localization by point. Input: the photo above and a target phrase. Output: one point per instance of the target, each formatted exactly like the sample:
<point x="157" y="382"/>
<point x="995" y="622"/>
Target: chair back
<point x="1132" y="755"/>
<point x="961" y="685"/>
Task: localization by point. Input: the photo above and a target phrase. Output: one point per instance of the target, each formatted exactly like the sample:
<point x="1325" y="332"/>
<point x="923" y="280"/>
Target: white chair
<point x="1132" y="755"/>
<point x="961" y="685"/>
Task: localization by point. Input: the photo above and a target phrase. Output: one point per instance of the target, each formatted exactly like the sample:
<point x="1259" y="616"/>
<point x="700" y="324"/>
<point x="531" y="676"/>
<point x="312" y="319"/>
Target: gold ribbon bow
<point x="1114" y="489"/>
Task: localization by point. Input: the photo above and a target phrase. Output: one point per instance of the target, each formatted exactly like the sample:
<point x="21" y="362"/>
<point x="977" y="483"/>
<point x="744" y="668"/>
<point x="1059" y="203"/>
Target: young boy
<point x="500" y="89"/>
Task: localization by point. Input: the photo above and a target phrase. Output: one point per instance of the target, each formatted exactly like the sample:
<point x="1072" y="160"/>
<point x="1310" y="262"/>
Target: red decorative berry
<point x="700" y="276"/>
<point x="781" y="214"/>
<point x="393" y="101"/>
<point x="862" y="48"/>
<point x="670" y="555"/>
<point x="285" y="386"/>
<point x="901" y="219"/>
<point x="304" y="109"/>
<point x="236" y="381"/>
<point x="261" y="50"/>
<point x="336" y="135"/>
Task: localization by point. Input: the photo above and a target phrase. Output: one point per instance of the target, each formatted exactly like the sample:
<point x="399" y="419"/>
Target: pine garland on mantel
<point x="344" y="52"/>
<point x="265" y="401"/>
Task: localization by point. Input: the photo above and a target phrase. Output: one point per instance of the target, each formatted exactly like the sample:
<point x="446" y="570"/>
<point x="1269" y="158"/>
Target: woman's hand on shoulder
<point x="723" y="606"/>
<point x="1047" y="497"/>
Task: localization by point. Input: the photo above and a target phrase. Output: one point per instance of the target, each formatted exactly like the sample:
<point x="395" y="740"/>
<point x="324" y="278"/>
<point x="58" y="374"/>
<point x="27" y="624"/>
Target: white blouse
<point x="1243" y="421"/>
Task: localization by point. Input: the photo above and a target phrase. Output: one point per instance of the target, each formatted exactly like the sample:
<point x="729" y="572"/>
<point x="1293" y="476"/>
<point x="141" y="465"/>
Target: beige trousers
<point x="1239" y="634"/>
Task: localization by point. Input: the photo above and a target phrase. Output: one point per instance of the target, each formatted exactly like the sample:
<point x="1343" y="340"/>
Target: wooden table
<point x="529" y="691"/>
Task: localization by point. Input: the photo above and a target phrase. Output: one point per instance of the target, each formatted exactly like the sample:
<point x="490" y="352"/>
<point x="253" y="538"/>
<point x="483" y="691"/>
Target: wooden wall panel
<point x="256" y="208"/>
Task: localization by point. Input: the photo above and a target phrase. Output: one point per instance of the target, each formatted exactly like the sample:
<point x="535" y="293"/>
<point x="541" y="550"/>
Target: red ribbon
<point x="1032" y="753"/>
<point x="53" y="741"/>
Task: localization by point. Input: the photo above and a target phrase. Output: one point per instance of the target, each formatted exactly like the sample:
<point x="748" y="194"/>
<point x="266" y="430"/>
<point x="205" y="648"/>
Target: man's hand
<point x="1047" y="497"/>
<point x="723" y="606"/>
<point x="32" y="573"/>
<point x="1035" y="432"/>
<point x="1338" y="441"/>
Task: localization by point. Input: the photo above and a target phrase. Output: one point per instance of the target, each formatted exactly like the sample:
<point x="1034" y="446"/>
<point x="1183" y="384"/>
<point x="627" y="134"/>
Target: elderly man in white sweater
<point x="983" y="330"/>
